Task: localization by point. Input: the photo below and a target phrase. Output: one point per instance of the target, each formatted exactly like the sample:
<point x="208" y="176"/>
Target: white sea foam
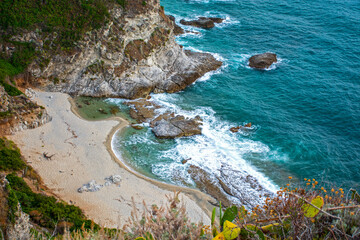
<point x="216" y="146"/>
<point x="221" y="153"/>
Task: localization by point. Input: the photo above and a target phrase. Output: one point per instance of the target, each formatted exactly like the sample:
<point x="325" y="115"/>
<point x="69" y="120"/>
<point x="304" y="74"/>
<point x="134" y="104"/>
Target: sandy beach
<point x="82" y="153"/>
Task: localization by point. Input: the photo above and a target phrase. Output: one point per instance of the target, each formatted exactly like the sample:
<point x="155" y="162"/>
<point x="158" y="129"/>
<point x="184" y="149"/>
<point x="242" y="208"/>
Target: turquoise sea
<point x="306" y="108"/>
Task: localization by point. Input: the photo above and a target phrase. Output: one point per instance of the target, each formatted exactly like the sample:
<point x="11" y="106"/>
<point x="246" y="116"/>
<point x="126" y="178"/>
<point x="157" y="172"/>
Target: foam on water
<point x="216" y="145"/>
<point x="304" y="107"/>
<point x="216" y="150"/>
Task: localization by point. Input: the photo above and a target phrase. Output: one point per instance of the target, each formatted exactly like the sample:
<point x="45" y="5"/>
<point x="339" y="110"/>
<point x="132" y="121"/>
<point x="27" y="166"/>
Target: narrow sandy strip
<point x="81" y="151"/>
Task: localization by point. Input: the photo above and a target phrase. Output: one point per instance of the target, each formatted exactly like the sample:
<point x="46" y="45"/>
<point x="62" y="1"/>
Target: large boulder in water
<point x="262" y="61"/>
<point x="202" y="22"/>
<point x="178" y="126"/>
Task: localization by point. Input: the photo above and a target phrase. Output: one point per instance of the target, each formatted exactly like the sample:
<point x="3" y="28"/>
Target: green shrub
<point x="10" y="157"/>
<point x="122" y="3"/>
<point x="69" y="18"/>
<point x="51" y="210"/>
<point x="11" y="90"/>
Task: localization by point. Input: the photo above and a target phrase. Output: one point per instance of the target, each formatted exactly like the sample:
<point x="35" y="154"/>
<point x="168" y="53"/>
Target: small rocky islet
<point x="262" y="61"/>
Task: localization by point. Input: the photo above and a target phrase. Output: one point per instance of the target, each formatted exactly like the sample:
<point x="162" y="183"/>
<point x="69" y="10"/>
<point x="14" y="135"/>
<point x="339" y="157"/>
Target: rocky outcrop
<point x="262" y="61"/>
<point x="202" y="22"/>
<point x="206" y="184"/>
<point x="229" y="186"/>
<point x="178" y="126"/>
<point x="19" y="113"/>
<point x="4" y="204"/>
<point x="92" y="186"/>
<point x="132" y="55"/>
<point x="142" y="110"/>
<point x="166" y="124"/>
<point x="20" y="229"/>
<point x="177" y="29"/>
<point x="4" y="101"/>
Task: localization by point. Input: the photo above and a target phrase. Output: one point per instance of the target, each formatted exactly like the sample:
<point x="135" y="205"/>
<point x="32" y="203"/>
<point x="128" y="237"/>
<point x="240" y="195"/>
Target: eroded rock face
<point x="4" y="100"/>
<point x="19" y="113"/>
<point x="202" y="22"/>
<point x="204" y="182"/>
<point x="262" y="61"/>
<point x="134" y="54"/>
<point x="229" y="186"/>
<point x="20" y="229"/>
<point x="177" y="29"/>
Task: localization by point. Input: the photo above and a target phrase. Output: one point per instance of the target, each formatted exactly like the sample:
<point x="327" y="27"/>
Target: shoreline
<point x="202" y="199"/>
<point x="83" y="153"/>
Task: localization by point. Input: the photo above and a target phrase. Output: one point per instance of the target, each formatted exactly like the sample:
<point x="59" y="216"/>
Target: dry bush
<point x="170" y="222"/>
<point x="283" y="216"/>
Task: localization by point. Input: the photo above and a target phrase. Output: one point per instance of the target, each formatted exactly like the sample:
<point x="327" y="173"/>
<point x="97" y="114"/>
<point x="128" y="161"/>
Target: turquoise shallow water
<point x="306" y="108"/>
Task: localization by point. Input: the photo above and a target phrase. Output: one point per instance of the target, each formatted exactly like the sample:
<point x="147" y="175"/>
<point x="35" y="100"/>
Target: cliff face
<point x="133" y="54"/>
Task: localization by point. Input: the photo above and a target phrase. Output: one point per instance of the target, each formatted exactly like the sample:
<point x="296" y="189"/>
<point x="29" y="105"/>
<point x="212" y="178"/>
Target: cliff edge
<point x="132" y="54"/>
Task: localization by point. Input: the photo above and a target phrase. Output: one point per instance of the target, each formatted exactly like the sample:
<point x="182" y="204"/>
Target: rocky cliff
<point x="19" y="112"/>
<point x="132" y="54"/>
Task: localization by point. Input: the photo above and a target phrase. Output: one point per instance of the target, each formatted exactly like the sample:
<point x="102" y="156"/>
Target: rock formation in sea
<point x="132" y="55"/>
<point x="243" y="189"/>
<point x="164" y="124"/>
<point x="202" y="22"/>
<point x="262" y="61"/>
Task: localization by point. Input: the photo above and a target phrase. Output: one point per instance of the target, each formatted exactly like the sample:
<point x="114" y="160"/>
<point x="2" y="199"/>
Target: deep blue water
<point x="306" y="108"/>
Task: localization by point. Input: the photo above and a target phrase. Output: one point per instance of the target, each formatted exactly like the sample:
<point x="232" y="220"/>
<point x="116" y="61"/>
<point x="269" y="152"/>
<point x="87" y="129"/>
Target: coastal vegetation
<point x="69" y="19"/>
<point x="45" y="211"/>
<point x="14" y="65"/>
<point x="309" y="212"/>
<point x="10" y="157"/>
<point x="297" y="211"/>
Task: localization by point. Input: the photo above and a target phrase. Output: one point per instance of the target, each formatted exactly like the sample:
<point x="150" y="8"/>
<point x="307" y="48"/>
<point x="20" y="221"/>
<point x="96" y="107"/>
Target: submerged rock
<point x="136" y="126"/>
<point x="234" y="129"/>
<point x="202" y="22"/>
<point x="262" y="61"/>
